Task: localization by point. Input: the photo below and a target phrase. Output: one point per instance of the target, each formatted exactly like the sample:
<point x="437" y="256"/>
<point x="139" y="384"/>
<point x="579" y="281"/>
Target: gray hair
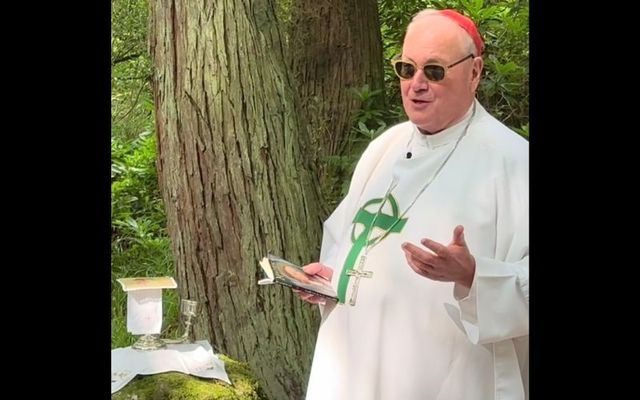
<point x="467" y="42"/>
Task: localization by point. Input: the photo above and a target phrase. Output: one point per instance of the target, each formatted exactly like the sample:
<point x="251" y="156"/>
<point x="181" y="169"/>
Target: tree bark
<point x="235" y="180"/>
<point x="336" y="46"/>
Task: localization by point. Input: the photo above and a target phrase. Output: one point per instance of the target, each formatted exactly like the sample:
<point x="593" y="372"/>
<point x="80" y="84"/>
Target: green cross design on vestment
<point x="388" y="223"/>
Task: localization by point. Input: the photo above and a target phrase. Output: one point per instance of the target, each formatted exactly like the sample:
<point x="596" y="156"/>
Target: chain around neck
<point x="393" y="184"/>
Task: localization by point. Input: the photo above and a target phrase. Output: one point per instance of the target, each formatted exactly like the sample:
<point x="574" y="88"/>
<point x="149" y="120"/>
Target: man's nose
<point x="419" y="81"/>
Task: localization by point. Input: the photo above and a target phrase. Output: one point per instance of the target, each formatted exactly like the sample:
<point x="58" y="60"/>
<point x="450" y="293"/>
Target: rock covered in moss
<point x="178" y="386"/>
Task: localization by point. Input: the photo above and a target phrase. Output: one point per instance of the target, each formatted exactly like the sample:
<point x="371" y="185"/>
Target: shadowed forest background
<point x="236" y="125"/>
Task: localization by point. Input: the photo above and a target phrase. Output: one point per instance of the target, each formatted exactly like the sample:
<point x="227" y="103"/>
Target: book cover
<point x="286" y="273"/>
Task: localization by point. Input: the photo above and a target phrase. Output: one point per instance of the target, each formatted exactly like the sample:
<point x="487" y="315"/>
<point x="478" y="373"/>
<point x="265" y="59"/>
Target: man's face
<point x="434" y="106"/>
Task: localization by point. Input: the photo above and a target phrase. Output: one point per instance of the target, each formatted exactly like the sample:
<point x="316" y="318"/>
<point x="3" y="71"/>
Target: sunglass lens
<point x="434" y="72"/>
<point x="405" y="70"/>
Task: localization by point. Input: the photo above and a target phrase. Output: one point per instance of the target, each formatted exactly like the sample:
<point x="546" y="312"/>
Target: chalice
<point x="188" y="313"/>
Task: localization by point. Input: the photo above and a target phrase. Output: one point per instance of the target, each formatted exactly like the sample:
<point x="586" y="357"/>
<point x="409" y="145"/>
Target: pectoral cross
<point x="359" y="272"/>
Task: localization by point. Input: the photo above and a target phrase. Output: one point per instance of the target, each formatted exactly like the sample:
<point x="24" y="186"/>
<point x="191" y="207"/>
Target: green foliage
<point x="367" y="115"/>
<point x="131" y="99"/>
<point x="369" y="121"/>
<point x="504" y="89"/>
<point x="134" y="187"/>
<point x="128" y="28"/>
<point x="139" y="242"/>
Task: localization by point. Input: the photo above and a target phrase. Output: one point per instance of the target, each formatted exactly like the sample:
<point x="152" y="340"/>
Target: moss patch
<point x="178" y="386"/>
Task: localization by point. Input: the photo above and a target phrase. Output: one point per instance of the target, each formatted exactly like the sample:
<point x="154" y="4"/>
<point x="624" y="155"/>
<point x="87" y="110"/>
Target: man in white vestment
<point x="428" y="251"/>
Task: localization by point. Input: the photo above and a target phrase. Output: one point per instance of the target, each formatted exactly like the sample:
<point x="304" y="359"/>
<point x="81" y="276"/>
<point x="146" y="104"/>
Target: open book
<point x="285" y="273"/>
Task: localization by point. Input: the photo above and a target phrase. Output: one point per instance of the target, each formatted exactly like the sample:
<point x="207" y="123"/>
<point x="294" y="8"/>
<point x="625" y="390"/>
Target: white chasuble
<point x="408" y="337"/>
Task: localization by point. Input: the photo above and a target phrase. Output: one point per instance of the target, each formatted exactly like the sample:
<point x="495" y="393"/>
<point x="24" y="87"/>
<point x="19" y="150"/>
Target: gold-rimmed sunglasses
<point x="432" y="71"/>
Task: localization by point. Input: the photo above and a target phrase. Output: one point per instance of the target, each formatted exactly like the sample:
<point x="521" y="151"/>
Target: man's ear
<point x="476" y="73"/>
<point x="478" y="64"/>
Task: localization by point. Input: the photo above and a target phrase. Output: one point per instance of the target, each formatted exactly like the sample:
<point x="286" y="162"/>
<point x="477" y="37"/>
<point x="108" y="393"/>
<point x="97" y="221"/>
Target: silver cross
<point x="358" y="273"/>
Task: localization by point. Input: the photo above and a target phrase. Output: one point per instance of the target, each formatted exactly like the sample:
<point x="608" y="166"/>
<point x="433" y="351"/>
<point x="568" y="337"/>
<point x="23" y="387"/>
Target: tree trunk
<point x="336" y="46"/>
<point x="235" y="180"/>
